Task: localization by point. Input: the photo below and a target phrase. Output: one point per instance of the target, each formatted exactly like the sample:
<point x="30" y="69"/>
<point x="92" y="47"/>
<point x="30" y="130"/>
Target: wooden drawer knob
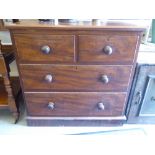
<point x="48" y="78"/>
<point x="46" y="49"/>
<point x="108" y="50"/>
<point x="51" y="105"/>
<point x="104" y="79"/>
<point x="101" y="106"/>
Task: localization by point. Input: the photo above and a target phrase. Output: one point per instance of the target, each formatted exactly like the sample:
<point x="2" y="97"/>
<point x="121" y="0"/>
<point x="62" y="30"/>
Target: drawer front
<point x="75" y="78"/>
<point x="110" y="49"/>
<point x="45" y="48"/>
<point x="75" y="104"/>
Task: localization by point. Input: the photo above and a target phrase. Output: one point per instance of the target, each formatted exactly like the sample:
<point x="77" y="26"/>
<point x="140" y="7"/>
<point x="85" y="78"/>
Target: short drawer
<point x="45" y="48"/>
<point x="75" y="104"/>
<point x="106" y="49"/>
<point x="75" y="78"/>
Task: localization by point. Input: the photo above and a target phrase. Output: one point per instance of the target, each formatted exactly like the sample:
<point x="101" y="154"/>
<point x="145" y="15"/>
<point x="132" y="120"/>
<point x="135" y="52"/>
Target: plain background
<point x="85" y="9"/>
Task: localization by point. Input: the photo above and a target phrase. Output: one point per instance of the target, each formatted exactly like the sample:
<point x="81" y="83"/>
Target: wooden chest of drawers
<point x="75" y="75"/>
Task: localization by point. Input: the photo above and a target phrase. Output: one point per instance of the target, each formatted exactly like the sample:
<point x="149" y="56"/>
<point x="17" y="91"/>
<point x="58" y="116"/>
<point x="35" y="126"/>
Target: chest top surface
<point x="107" y="25"/>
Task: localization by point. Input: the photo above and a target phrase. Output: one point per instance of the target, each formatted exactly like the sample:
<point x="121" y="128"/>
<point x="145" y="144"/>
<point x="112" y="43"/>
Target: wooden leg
<point x="16" y="117"/>
<point x="11" y="99"/>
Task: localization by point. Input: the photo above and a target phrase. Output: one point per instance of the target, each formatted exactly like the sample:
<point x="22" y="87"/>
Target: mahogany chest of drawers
<point x="75" y="75"/>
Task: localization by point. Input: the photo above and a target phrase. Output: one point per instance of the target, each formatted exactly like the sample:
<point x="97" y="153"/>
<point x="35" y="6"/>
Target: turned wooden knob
<point x="104" y="79"/>
<point x="51" y="105"/>
<point x="101" y="106"/>
<point x="108" y="50"/>
<point x="46" y="49"/>
<point x="48" y="78"/>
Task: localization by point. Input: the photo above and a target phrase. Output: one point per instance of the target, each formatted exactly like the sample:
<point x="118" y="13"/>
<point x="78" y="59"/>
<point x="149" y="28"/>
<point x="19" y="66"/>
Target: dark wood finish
<point x="61" y="123"/>
<point x="91" y="48"/>
<point x="7" y="97"/>
<point x="75" y="104"/>
<point x="75" y="78"/>
<point x="7" y="48"/>
<point x="108" y="26"/>
<point x="74" y="32"/>
<point x="29" y="48"/>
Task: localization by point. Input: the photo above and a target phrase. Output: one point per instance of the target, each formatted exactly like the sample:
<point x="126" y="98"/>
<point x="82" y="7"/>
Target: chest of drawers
<point x="75" y="75"/>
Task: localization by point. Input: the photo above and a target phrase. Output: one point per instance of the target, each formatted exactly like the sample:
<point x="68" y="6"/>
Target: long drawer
<point x="75" y="78"/>
<point x="107" y="49"/>
<point x="75" y="104"/>
<point x="45" y="48"/>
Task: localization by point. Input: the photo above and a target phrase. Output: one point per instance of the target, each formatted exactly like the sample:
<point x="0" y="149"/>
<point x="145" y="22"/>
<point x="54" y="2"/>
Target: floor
<point x="7" y="127"/>
<point x="130" y="139"/>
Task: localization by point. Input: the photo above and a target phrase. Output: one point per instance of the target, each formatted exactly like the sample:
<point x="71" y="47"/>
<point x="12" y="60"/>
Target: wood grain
<point x="29" y="48"/>
<point x="7" y="48"/>
<point x="76" y="65"/>
<point x="75" y="104"/>
<point x="91" y="48"/>
<point x="108" y="25"/>
<point x="75" y="78"/>
<point x="2" y="65"/>
<point x="3" y="94"/>
<point x="79" y="123"/>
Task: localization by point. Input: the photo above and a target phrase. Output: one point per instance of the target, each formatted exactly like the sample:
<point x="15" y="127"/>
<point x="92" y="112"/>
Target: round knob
<point x="108" y="50"/>
<point x="101" y="106"/>
<point x="48" y="78"/>
<point x="45" y="49"/>
<point x="50" y="105"/>
<point x="105" y="79"/>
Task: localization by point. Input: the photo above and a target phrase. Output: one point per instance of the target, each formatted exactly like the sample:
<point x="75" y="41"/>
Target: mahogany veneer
<point x="75" y="78"/>
<point x="62" y="48"/>
<point x="75" y="74"/>
<point x="76" y="104"/>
